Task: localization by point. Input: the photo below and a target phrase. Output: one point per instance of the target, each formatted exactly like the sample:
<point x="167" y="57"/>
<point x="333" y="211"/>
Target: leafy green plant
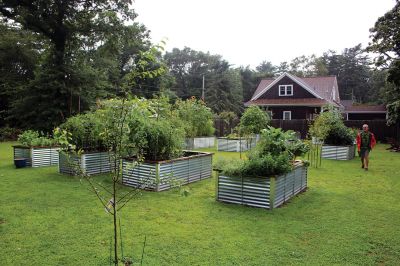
<point x="85" y="131"/>
<point x="340" y="135"/>
<point x="197" y="117"/>
<point x="273" y="155"/>
<point x="34" y="138"/>
<point x="253" y="121"/>
<point x="157" y="138"/>
<point x="329" y="127"/>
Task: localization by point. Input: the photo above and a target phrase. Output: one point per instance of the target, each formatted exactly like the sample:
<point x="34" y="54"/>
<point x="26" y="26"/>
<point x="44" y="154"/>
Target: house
<point x="354" y="111"/>
<point x="289" y="97"/>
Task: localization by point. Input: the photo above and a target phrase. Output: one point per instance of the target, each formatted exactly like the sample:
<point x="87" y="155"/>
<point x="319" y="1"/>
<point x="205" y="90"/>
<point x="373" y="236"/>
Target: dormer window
<point x="285" y="90"/>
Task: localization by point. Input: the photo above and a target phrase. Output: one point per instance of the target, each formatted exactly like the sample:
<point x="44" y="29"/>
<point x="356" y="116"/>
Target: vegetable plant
<point x="197" y="117"/>
<point x="329" y="128"/>
<point x="273" y="155"/>
<point x="34" y="138"/>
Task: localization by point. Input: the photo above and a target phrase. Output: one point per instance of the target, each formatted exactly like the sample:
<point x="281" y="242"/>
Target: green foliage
<point x="63" y="138"/>
<point x="157" y="139"/>
<point x="386" y="42"/>
<point x="330" y="128"/>
<point x="9" y="133"/>
<point x="223" y="86"/>
<point x="224" y="89"/>
<point x="67" y="62"/>
<point x="249" y="81"/>
<point x="353" y="72"/>
<point x="275" y="141"/>
<point x="85" y="131"/>
<point x="135" y="127"/>
<point x="340" y="135"/>
<point x="253" y="120"/>
<point x="197" y="117"/>
<point x="263" y="166"/>
<point x="386" y="36"/>
<point x="273" y="155"/>
<point x="18" y="58"/>
<point x="34" y="138"/>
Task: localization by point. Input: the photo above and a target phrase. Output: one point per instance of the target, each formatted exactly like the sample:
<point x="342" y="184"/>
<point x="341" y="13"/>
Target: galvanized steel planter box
<point x="235" y="145"/>
<point x="199" y="142"/>
<point x="91" y="163"/>
<point x="37" y="156"/>
<point x="338" y="152"/>
<point x="263" y="192"/>
<point x="163" y="175"/>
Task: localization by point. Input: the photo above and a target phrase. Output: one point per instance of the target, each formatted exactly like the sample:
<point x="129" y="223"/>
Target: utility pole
<point x="202" y="91"/>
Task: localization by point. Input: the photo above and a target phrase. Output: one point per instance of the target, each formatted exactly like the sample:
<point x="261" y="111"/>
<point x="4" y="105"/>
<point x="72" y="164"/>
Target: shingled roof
<point x="322" y="87"/>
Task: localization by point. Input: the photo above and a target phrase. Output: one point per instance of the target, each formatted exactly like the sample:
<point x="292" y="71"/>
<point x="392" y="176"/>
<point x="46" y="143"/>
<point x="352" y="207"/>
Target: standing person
<point x="365" y="142"/>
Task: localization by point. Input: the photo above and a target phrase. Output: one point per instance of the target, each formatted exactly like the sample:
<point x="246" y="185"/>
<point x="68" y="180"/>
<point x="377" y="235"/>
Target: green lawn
<point x="347" y="216"/>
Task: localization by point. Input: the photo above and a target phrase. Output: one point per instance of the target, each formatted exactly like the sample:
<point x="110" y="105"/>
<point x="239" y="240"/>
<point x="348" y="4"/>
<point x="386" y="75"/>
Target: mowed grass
<point x="346" y="217"/>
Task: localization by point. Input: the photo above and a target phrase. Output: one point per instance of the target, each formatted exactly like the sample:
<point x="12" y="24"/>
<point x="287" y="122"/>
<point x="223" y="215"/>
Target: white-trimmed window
<point x="287" y="115"/>
<point x="269" y="112"/>
<point x="285" y="90"/>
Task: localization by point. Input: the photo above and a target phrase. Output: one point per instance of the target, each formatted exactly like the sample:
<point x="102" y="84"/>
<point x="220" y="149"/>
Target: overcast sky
<point x="248" y="32"/>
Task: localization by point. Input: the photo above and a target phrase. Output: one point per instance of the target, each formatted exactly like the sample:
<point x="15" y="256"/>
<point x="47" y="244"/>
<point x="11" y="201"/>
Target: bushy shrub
<point x="197" y="118"/>
<point x="157" y="139"/>
<point x="135" y="127"/>
<point x="330" y="128"/>
<point x="34" y="138"/>
<point x="340" y="135"/>
<point x="273" y="155"/>
<point x="9" y="133"/>
<point x="253" y="121"/>
<point x="85" y="131"/>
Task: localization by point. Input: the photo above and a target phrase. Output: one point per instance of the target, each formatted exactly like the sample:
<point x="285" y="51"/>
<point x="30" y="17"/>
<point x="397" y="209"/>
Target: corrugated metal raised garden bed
<point x="199" y="142"/>
<point x="91" y="163"/>
<point x="263" y="192"/>
<point x="162" y="175"/>
<point x="235" y="145"/>
<point x="338" y="152"/>
<point x="37" y="156"/>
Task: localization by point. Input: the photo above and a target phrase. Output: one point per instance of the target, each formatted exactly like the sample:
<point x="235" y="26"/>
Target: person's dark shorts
<point x="364" y="152"/>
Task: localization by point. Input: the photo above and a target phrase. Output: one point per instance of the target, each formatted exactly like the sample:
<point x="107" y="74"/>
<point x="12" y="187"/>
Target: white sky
<point x="248" y="32"/>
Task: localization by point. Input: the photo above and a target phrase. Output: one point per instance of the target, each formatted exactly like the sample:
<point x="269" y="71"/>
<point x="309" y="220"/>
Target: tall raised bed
<point x="91" y="163"/>
<point x="235" y="145"/>
<point x="263" y="192"/>
<point x="199" y="142"/>
<point x="338" y="152"/>
<point x="37" y="156"/>
<point x="162" y="175"/>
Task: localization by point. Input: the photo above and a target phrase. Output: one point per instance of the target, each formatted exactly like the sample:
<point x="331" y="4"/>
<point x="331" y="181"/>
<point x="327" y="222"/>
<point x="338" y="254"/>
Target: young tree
<point x="253" y="120"/>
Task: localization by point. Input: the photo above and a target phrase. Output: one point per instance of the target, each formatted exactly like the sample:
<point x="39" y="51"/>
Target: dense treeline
<point x="57" y="58"/>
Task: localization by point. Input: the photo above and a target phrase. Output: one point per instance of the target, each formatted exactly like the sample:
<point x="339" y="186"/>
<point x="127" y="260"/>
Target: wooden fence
<point x="379" y="127"/>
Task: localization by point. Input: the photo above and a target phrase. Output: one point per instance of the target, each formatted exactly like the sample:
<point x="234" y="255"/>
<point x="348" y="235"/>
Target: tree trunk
<point x="115" y="226"/>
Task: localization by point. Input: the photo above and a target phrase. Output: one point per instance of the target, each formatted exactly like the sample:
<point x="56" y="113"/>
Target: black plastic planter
<point x="20" y="162"/>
